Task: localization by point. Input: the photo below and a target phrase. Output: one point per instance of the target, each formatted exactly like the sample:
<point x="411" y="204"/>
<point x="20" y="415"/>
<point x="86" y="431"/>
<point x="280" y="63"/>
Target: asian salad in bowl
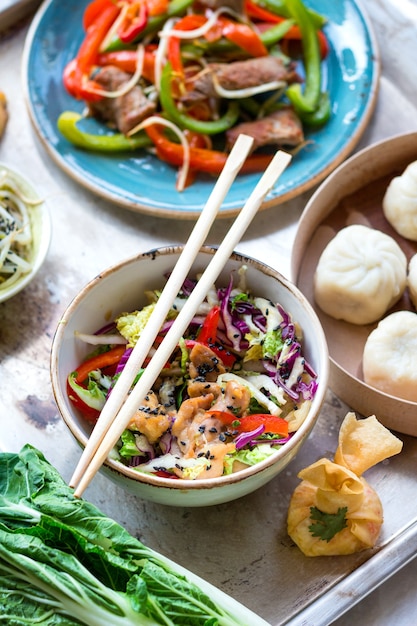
<point x="183" y="78"/>
<point x="237" y="396"/>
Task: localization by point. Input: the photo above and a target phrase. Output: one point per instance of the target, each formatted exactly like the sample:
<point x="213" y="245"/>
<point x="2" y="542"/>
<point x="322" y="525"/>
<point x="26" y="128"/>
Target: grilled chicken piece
<point x="198" y="435"/>
<point x="236" y="399"/>
<point x="197" y="388"/>
<point x="151" y="419"/>
<point x="237" y="75"/>
<point x="215" y="453"/>
<point x="281" y="128"/>
<point x="205" y="364"/>
<point x="187" y="413"/>
<point x="126" y="111"/>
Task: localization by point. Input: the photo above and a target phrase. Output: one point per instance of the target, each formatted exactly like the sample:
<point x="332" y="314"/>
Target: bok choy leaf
<point x="64" y="562"/>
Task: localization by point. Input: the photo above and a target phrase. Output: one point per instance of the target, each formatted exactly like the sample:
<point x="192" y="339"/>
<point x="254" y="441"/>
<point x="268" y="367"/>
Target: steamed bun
<point x="412" y="280"/>
<point x="400" y="202"/>
<point x="361" y="273"/>
<point x="390" y="356"/>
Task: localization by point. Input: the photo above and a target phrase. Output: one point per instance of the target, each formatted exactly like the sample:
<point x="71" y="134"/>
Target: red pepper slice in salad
<point x="99" y="362"/>
<point x="87" y="403"/>
<point x="208" y="330"/>
<point x="272" y="424"/>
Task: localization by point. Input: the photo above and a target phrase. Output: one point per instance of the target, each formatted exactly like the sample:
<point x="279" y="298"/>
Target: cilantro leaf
<point x="327" y="525"/>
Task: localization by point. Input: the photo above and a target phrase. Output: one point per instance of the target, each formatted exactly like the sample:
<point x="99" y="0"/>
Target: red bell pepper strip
<point x="134" y="21"/>
<point x="126" y="60"/>
<point x="77" y="72"/>
<point x="98" y="362"/>
<point x="257" y="12"/>
<point x="208" y="330"/>
<point x="189" y="22"/>
<point x="227" y="418"/>
<point x="197" y="141"/>
<point x="273" y="424"/>
<point x="93" y="10"/>
<point x="243" y="36"/>
<point x="206" y="160"/>
<point x="157" y="7"/>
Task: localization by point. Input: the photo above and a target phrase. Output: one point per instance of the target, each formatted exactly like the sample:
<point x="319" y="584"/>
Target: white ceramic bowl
<point x="353" y="194"/>
<point x="41" y="231"/>
<point x="120" y="288"/>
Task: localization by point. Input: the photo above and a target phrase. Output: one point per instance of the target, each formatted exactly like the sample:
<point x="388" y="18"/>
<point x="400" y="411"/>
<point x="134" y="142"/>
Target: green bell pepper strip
<point x="282" y="8"/>
<point x="321" y="115"/>
<point x="67" y="126"/>
<point x="155" y="23"/>
<point x="276" y="33"/>
<point x="186" y="121"/>
<point x="308" y="101"/>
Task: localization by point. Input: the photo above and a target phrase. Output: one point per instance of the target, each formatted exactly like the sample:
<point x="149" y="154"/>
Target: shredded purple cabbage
<point x="188" y="286"/>
<point x="308" y="391"/>
<point x="121" y="364"/>
<point x="251" y="439"/>
<point x="106" y="329"/>
<point x="245" y="439"/>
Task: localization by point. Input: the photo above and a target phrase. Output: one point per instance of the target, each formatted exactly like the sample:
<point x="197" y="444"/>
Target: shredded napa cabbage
<point x="131" y="325"/>
<point x="248" y="457"/>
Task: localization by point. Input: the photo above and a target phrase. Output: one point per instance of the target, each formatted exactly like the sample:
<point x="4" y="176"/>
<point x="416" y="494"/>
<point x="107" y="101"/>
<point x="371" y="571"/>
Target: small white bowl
<point x="121" y="288"/>
<point x="41" y="231"/>
<point x="353" y="194"/>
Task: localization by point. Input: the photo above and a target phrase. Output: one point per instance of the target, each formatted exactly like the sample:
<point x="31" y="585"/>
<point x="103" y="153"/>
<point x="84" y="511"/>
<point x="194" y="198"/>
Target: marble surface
<point x="90" y="234"/>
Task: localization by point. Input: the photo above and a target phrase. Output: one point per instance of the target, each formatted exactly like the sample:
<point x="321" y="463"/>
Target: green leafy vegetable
<point x="327" y="525"/>
<point x="272" y="343"/>
<point x="62" y="561"/>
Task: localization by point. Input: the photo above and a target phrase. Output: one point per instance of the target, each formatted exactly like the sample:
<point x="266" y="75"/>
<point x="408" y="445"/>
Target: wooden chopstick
<point x="182" y="321"/>
<point x="141" y="350"/>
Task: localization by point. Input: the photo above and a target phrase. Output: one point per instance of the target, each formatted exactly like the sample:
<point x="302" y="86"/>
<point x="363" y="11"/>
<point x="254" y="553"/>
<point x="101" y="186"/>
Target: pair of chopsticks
<point x="121" y="405"/>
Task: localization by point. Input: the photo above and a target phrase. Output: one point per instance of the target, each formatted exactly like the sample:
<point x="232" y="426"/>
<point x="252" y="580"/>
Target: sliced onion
<point x="154" y="119"/>
<point x="97" y="340"/>
<point x="246" y="92"/>
<point x="201" y="30"/>
<point x="161" y="52"/>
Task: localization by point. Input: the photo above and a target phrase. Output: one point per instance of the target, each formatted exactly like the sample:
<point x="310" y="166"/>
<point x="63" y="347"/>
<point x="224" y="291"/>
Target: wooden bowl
<point x="353" y="194"/>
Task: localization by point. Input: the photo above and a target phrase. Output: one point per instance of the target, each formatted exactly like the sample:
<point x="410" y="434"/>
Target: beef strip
<point x="126" y="111"/>
<point x="238" y="75"/>
<point x="236" y="5"/>
<point x="282" y="128"/>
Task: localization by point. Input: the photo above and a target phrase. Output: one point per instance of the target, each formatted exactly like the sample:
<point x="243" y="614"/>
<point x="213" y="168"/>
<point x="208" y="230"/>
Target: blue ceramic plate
<point x="141" y="182"/>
